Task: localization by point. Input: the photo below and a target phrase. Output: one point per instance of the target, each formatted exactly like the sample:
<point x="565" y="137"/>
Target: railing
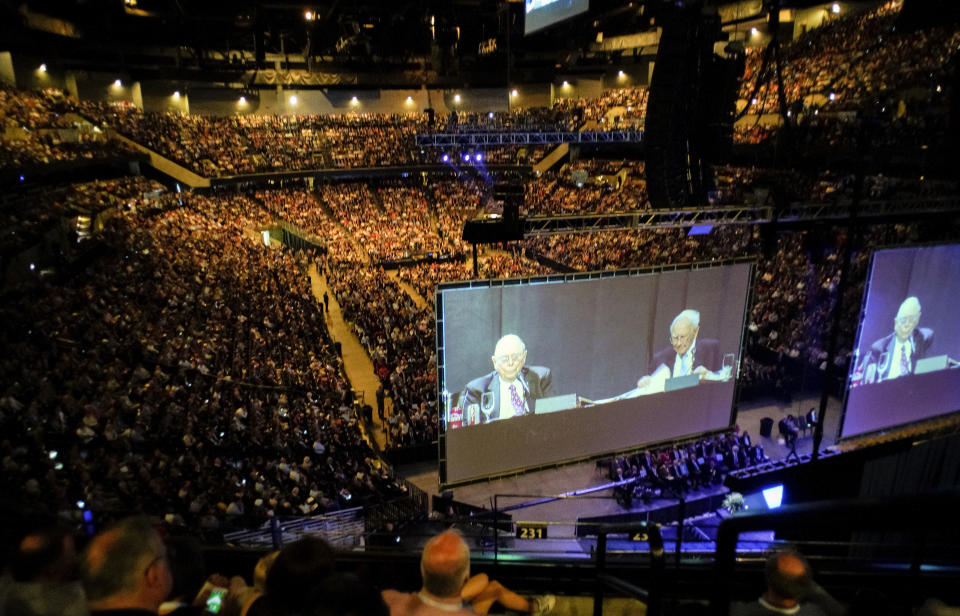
<point x="649" y="533"/>
<point x="341" y="529"/>
<point x="902" y="538"/>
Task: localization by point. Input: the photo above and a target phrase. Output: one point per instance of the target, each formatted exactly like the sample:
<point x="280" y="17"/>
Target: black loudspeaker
<point x="766" y="427"/>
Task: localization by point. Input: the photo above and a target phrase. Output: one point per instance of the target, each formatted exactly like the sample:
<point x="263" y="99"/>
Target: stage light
<point x="565" y="84"/>
<point x="242" y="100"/>
<point x="466" y="158"/>
<point x="176" y="95"/>
<point x="833" y="96"/>
<point x="479" y="158"/>
<point x="835" y="8"/>
<point x="754" y="32"/>
<point x="456" y="98"/>
<point x="621" y="74"/>
<point x="293" y="99"/>
<point x="354" y="100"/>
<point x="445" y="158"/>
<point x="42" y="68"/>
<point x="773" y="496"/>
<point x="117" y="83"/>
<point x="409" y="100"/>
<point x="490" y="115"/>
<point x="700" y="229"/>
<point x="753" y="101"/>
<point x="81" y="504"/>
<point x="514" y="93"/>
<point x="308" y="15"/>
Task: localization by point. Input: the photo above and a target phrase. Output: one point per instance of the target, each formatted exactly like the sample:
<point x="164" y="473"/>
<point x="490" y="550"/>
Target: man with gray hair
<point x="686" y="354"/>
<point x="125" y="570"/>
<point x="896" y="354"/>
<point x="511" y="389"/>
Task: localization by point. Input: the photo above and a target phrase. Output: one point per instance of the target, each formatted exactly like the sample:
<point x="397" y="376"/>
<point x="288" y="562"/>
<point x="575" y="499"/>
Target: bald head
<point x="126" y="567"/>
<point x="445" y="565"/>
<point x="907" y="318"/>
<point x="509" y="357"/>
<point x="788" y="577"/>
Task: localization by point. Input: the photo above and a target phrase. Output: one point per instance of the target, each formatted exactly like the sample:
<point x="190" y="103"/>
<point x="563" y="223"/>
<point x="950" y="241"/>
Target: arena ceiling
<point x="432" y="42"/>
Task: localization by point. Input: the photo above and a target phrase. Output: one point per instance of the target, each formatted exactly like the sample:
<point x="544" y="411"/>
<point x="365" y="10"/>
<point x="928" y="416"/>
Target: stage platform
<point x="562" y="514"/>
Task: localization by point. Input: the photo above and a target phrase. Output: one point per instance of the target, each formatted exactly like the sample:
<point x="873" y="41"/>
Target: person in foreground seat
<point x="790" y="591"/>
<point x="448" y="588"/>
<point x="125" y="570"/>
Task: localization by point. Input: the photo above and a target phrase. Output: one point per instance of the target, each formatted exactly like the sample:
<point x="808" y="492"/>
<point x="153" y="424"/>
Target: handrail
<point x="643" y="531"/>
<point x="899" y="513"/>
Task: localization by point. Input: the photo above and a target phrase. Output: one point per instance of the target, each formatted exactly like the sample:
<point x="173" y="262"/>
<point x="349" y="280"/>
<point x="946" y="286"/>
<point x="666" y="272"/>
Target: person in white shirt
<point x="686" y="354"/>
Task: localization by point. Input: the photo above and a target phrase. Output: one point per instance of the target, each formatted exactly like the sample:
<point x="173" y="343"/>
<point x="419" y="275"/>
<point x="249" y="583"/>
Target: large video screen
<point x="905" y="365"/>
<point x="536" y="372"/>
<point x="538" y="14"/>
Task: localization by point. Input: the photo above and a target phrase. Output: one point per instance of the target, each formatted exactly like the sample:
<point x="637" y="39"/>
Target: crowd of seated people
<point x="187" y="371"/>
<point x="856" y="56"/>
<point x="679" y="468"/>
<point x="630" y="105"/>
<point x="223" y="146"/>
<point x="25" y="216"/>
<point x="35" y="131"/>
<point x="400" y="339"/>
<point x="556" y="193"/>
<point x="391" y="221"/>
<point x="857" y="71"/>
<point x="425" y="277"/>
<point x="304" y="209"/>
<point x="641" y="248"/>
<point x="528" y="119"/>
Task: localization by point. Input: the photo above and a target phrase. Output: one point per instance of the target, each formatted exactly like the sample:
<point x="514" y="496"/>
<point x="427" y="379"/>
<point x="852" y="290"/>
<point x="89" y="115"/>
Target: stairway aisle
<point x="409" y="290"/>
<point x="356" y="362"/>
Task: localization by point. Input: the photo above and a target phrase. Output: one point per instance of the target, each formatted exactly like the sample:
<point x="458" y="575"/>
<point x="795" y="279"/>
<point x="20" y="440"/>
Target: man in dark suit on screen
<point x="896" y="354"/>
<point x="512" y="388"/>
<point x="686" y="354"/>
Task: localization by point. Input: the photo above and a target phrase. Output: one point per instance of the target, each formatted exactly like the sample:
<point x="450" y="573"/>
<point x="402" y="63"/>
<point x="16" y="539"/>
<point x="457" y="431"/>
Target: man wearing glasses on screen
<point x="686" y="354"/>
<point x="896" y="354"/>
<point x="511" y="389"/>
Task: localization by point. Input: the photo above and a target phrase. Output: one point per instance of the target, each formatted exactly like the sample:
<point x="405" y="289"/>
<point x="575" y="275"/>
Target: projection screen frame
<point x="443" y="484"/>
<point x="840" y="438"/>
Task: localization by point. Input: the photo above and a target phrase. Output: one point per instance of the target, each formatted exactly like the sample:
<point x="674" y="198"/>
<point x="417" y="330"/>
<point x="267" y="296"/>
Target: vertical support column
<point x="6" y="69"/>
<point x="70" y="84"/>
<point x="136" y="95"/>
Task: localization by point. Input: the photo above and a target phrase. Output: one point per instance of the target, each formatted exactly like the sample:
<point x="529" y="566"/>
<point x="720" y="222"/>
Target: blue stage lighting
<point x="700" y="229"/>
<point x="479" y="157"/>
<point x="445" y="158"/>
<point x="773" y="496"/>
<point x="466" y="158"/>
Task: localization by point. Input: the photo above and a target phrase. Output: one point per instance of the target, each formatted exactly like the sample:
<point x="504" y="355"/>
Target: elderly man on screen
<point x="685" y="355"/>
<point x="896" y="354"/>
<point x="512" y="388"/>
